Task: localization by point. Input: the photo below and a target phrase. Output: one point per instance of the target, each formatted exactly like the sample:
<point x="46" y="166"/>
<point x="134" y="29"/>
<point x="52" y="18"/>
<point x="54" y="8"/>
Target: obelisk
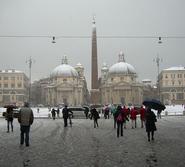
<point x="95" y="95"/>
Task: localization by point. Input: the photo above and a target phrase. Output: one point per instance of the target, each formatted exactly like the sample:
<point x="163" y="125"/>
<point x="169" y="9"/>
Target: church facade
<point x="67" y="86"/>
<point x="119" y="84"/>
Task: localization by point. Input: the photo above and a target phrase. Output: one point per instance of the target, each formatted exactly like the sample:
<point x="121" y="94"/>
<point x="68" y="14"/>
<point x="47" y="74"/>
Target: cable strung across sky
<point x="84" y="36"/>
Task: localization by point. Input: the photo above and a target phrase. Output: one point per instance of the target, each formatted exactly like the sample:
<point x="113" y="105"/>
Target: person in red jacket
<point x="133" y="117"/>
<point x="126" y="112"/>
<point x="142" y="116"/>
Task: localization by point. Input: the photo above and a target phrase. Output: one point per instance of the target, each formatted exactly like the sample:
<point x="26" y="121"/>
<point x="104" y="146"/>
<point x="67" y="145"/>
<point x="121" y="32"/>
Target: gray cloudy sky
<point x="74" y="17"/>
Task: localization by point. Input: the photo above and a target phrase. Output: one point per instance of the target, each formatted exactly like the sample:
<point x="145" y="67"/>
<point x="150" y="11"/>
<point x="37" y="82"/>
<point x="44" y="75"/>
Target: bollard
<point x="166" y="113"/>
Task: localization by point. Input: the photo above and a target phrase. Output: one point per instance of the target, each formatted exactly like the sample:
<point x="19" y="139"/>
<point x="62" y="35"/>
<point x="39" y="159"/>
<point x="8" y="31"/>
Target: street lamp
<point x="29" y="62"/>
<point x="157" y="60"/>
<point x="53" y="39"/>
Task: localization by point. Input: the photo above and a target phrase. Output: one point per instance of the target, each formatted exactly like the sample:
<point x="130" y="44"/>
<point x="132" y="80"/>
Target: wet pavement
<point x="52" y="145"/>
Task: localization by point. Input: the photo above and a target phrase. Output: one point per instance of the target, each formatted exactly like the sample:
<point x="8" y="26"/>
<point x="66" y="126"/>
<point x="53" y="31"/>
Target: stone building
<point x="13" y="87"/>
<point x="119" y="84"/>
<point x="149" y="90"/>
<point x="38" y="92"/>
<point x="172" y="85"/>
<point x="67" y="86"/>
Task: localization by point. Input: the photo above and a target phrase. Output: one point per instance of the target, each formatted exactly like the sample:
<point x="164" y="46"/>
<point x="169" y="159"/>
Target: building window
<point x="112" y="79"/>
<point x="19" y="85"/>
<point x="173" y="83"/>
<point x="12" y="85"/>
<point x="13" y="78"/>
<point x="6" y="85"/>
<point x="0" y="85"/>
<point x="0" y="78"/>
<point x="166" y="76"/>
<point x="180" y="96"/>
<point x="172" y="75"/>
<point x="64" y="80"/>
<point x="6" y="98"/>
<point x="5" y="78"/>
<point x="179" y="82"/>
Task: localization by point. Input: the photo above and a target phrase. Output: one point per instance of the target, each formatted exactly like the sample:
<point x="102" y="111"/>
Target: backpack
<point x="119" y="118"/>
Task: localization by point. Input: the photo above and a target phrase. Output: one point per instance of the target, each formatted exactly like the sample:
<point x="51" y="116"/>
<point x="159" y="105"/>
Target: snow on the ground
<point x="44" y="112"/>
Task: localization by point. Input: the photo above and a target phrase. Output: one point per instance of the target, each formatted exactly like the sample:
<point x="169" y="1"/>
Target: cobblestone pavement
<point x="52" y="145"/>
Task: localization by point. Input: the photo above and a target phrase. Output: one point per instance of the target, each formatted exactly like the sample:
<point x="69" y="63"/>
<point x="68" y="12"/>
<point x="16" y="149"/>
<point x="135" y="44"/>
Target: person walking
<point x="113" y="112"/>
<point x="150" y="120"/>
<point x="25" y="119"/>
<point x="106" y="112"/>
<point x="126" y="114"/>
<point x="65" y="112"/>
<point x="142" y="116"/>
<point x="53" y="113"/>
<point x="86" y="112"/>
<point x="120" y="119"/>
<point x="133" y="117"/>
<point x="9" y="118"/>
<point x="95" y="116"/>
<point x="159" y="113"/>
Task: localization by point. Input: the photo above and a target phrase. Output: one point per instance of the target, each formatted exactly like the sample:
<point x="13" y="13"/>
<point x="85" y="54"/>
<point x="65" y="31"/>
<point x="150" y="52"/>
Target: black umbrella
<point x="10" y="106"/>
<point x="154" y="104"/>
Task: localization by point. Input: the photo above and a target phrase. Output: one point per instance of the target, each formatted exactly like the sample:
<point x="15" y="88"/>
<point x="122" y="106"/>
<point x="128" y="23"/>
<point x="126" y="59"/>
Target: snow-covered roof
<point x="79" y="65"/>
<point x="64" y="70"/>
<point x="175" y="68"/>
<point x="146" y="80"/>
<point x="10" y="71"/>
<point x="122" y="67"/>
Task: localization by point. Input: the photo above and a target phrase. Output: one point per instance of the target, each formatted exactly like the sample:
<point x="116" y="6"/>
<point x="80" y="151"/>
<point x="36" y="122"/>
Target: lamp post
<point x="157" y="60"/>
<point x="29" y="62"/>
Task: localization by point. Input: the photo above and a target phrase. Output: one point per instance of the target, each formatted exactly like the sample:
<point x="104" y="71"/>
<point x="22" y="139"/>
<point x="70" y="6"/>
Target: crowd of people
<point x="121" y="115"/>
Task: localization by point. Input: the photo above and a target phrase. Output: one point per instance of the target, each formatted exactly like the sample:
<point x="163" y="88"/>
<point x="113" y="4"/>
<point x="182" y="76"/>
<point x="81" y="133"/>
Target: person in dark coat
<point x="53" y="113"/>
<point x="120" y="119"/>
<point x="106" y="112"/>
<point x="9" y="118"/>
<point x="65" y="112"/>
<point x="86" y="112"/>
<point x="25" y="119"/>
<point x="150" y="120"/>
<point x="95" y="116"/>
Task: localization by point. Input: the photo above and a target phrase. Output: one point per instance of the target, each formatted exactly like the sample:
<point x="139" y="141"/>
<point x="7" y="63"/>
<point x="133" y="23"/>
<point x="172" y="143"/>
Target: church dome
<point x="122" y="67"/>
<point x="64" y="70"/>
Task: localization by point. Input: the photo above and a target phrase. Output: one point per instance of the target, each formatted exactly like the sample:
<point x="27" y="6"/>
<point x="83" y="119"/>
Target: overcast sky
<point x="74" y="18"/>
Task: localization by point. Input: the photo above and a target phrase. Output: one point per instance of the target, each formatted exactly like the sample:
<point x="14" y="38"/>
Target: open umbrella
<point x="154" y="104"/>
<point x="10" y="106"/>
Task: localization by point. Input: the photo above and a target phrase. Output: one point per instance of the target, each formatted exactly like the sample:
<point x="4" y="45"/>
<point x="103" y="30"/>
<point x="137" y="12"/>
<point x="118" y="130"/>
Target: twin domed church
<point x="116" y="85"/>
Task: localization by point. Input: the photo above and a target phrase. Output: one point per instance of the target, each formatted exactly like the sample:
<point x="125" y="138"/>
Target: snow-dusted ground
<point x="44" y="112"/>
<point x="52" y="145"/>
